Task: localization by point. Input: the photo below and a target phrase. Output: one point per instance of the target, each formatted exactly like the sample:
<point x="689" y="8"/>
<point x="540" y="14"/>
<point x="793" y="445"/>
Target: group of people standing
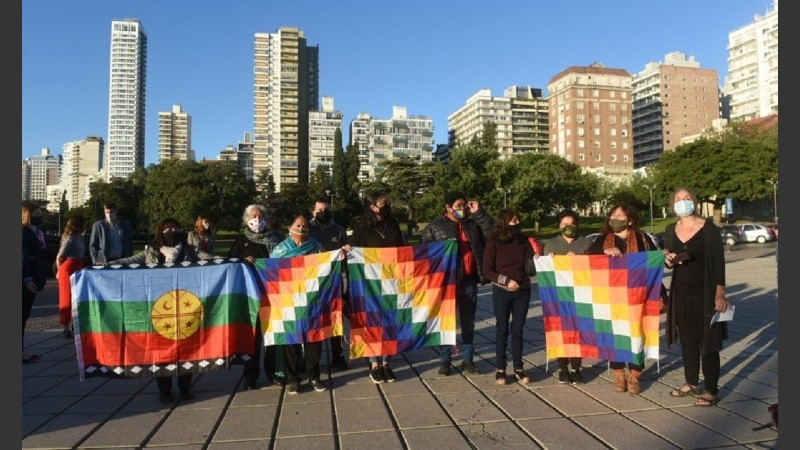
<point x="490" y="250"/>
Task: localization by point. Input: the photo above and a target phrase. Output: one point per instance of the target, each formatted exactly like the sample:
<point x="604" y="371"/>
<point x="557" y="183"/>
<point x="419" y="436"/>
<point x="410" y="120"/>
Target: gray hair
<point x="249" y="210"/>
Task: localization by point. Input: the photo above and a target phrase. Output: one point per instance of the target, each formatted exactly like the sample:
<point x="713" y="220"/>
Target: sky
<point x="428" y="56"/>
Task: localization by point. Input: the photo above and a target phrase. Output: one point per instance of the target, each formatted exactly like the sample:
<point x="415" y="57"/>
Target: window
<point x="614" y="146"/>
<point x="613" y="132"/>
<point x="595" y="105"/>
<point x="595" y="93"/>
<point x="596" y="118"/>
<point x="624" y="95"/>
<point x="580" y="143"/>
<point x="581" y="157"/>
<point x="625" y="158"/>
<point x="580" y="118"/>
<point x="624" y="133"/>
<point x="597" y="131"/>
<point x="580" y="132"/>
<point x="597" y="157"/>
<point x="612" y="94"/>
<point x="612" y="120"/>
<point x="596" y="144"/>
<point x="580" y="91"/>
<point x="612" y="106"/>
<point x="580" y="105"/>
<point x="613" y="158"/>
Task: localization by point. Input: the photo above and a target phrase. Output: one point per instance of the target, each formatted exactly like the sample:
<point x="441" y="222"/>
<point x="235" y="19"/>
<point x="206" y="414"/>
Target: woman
<point x="697" y="290"/>
<point x="169" y="246"/>
<point x="376" y="227"/>
<point x="299" y="242"/>
<point x="69" y="260"/>
<point x="504" y="264"/>
<point x="202" y="237"/>
<point x="619" y="235"/>
<point x="256" y="242"/>
<point x="568" y="242"/>
<point x="34" y="275"/>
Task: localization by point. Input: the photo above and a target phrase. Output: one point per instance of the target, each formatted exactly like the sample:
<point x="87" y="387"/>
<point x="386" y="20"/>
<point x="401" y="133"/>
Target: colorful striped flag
<point x="160" y="320"/>
<point x="303" y="298"/>
<point x="402" y="298"/>
<point x="596" y="306"/>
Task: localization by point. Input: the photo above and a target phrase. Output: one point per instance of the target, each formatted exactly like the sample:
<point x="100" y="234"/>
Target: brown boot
<point x="633" y="382"/>
<point x="620" y="383"/>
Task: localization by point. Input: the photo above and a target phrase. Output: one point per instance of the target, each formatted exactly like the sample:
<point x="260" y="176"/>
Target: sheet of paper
<point x="723" y="317"/>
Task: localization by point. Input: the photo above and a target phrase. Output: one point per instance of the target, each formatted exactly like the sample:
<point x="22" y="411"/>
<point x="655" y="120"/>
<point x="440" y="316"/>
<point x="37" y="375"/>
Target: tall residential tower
<point x="175" y="135"/>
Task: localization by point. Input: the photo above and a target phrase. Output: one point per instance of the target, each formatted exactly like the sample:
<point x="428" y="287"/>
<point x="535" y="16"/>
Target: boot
<point x="633" y="382"/>
<point x="620" y="383"/>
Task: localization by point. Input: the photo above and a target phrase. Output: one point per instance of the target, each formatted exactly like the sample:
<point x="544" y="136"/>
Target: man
<point x="469" y="224"/>
<point x="333" y="237"/>
<point x="112" y="237"/>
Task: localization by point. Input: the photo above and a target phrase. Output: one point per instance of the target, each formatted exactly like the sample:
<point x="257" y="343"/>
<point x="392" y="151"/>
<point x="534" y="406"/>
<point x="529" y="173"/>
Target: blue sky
<point x="429" y="56"/>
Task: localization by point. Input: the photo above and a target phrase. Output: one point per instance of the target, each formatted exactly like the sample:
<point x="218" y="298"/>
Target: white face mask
<point x="256" y="225"/>
<point x="206" y="225"/>
<point x="683" y="208"/>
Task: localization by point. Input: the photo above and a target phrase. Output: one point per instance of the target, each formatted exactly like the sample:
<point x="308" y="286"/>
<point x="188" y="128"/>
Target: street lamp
<point x="331" y="194"/>
<point x="650" y="188"/>
<point x="774" y="198"/>
<point x="505" y="194"/>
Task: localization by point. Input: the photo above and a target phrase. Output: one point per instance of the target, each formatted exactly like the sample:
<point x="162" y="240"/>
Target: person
<point x="169" y="246"/>
<point x="111" y="238"/>
<point x="299" y="242"/>
<point x="568" y="242"/>
<point x="377" y="227"/>
<point x="697" y="290"/>
<point x="332" y="236"/>
<point x="504" y="264"/>
<point x="620" y="234"/>
<point x="469" y="224"/>
<point x="68" y="261"/>
<point x="202" y="237"/>
<point x="34" y="274"/>
<point x="255" y="242"/>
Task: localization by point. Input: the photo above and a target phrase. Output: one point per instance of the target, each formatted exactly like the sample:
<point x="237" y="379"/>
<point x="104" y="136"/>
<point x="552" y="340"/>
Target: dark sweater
<point x="503" y="260"/>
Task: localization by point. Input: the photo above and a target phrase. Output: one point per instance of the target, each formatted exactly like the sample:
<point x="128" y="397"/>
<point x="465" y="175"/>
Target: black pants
<point x="564" y="363"/>
<point x="513" y="305"/>
<point x="692" y="325"/>
<point x="294" y="353"/>
<point x="27" y="306"/>
<point x="251" y="368"/>
<point x="165" y="383"/>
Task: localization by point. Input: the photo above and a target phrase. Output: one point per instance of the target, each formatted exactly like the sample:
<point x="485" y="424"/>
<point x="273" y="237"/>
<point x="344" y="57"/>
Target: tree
<point x="353" y="163"/>
<point x="339" y="168"/>
<point x="406" y="180"/>
<point x="489" y="136"/>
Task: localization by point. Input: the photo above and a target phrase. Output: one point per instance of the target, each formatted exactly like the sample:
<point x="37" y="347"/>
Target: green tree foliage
<point x="340" y="184"/>
<point x="225" y="195"/>
<point x="489" y="136"/>
<point x="293" y="199"/>
<point x="122" y="191"/>
<point x="353" y="159"/>
<point x="405" y="180"/>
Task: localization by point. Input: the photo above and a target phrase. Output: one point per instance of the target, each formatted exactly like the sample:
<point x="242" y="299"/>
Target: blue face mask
<point x="683" y="208"/>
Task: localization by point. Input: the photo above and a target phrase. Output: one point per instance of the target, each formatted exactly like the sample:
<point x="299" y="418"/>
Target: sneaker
<point x="166" y="397"/>
<point x="293" y="388"/>
<point x="251" y="386"/>
<point x="186" y="395"/>
<point x="388" y="374"/>
<point x="500" y="377"/>
<point x="376" y="374"/>
<point x="469" y="367"/>
<point x="444" y="369"/>
<point x="577" y="377"/>
<point x="318" y="385"/>
<point x="340" y="363"/>
<point x="521" y="376"/>
<point x="564" y="377"/>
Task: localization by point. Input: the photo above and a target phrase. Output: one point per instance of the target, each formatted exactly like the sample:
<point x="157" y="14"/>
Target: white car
<point x="755" y="232"/>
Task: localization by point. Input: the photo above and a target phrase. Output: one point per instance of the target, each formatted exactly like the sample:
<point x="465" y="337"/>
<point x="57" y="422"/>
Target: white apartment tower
<point x="83" y="162"/>
<point x="381" y="140"/>
<point x="521" y="117"/>
<point x="285" y="89"/>
<point x="242" y="154"/>
<point x="590" y="119"/>
<point x="39" y="172"/>
<point x="322" y="127"/>
<point x="672" y="99"/>
<point x="175" y="135"/>
<point x="751" y="86"/>
<point x="126" y="98"/>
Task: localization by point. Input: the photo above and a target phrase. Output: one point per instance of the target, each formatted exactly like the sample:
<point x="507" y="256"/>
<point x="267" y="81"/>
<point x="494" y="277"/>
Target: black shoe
<point x="292" y="388"/>
<point x="68" y="334"/>
<point x="186" y="396"/>
<point x="469" y="368"/>
<point x="500" y="377"/>
<point x="577" y="377"/>
<point x="340" y="363"/>
<point x="251" y="386"/>
<point x="564" y="377"/>
<point x="376" y="375"/>
<point x="388" y="374"/>
<point x="166" y="397"/>
<point x="444" y="369"/>
<point x="521" y="376"/>
<point x="318" y="385"/>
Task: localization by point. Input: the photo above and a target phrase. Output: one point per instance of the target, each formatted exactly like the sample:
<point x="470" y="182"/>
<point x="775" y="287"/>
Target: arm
<point x="139" y="258"/>
<point x="427" y="233"/>
<point x="96" y="244"/>
<point x="127" y="238"/>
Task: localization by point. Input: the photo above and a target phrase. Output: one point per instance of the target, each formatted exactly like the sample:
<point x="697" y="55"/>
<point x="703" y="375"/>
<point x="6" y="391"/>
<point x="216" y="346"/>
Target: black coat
<point x="477" y="226"/>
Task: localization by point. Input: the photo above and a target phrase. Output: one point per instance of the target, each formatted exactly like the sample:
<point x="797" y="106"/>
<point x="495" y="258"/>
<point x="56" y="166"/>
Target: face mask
<point x="385" y="211"/>
<point x="684" y="208"/>
<point x="206" y="225"/>
<point x="459" y="214"/>
<point x="256" y="225"/>
<point x="618" y="225"/>
<point x="172" y="239"/>
<point x="36" y="220"/>
<point x="298" y="231"/>
<point x="323" y="216"/>
<point x="569" y="231"/>
<point x="515" y="229"/>
<point x="111" y="217"/>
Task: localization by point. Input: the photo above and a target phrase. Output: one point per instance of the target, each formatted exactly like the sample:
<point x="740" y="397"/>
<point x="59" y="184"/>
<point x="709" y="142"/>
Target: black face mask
<point x="515" y="229"/>
<point x="385" y="211"/>
<point x="172" y="239"/>
<point x="323" y="216"/>
<point x="36" y="220"/>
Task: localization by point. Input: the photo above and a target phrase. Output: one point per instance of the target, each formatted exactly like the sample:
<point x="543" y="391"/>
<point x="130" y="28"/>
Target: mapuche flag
<point x="596" y="306"/>
<point x="303" y="297"/>
<point x="402" y="298"/>
<point x="161" y="320"/>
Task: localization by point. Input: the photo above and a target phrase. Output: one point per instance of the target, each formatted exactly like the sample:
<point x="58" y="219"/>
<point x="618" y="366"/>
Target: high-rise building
<point x="322" y="127"/>
<point x="382" y="140"/>
<point x="286" y="88"/>
<point x="751" y="87"/>
<point x="126" y="98"/>
<point x="672" y="99"/>
<point x="590" y="118"/>
<point x="175" y="135"/>
<point x="39" y="172"/>
<point x="520" y="116"/>
<point x="83" y="162"/>
<point x="242" y="154"/>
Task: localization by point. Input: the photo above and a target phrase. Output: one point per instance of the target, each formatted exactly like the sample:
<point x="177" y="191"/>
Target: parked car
<point x="657" y="238"/>
<point x="774" y="228"/>
<point x="755" y="232"/>
<point x="592" y="237"/>
<point x="731" y="235"/>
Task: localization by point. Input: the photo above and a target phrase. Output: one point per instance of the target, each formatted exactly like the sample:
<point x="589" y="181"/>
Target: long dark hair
<point x="158" y="241"/>
<point x="368" y="218"/>
<point x="607" y="234"/>
<point x="501" y="231"/>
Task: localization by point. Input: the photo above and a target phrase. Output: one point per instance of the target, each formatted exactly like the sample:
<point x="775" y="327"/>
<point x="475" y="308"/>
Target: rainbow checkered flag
<point x="303" y="298"/>
<point x="402" y="298"/>
<point x="596" y="306"/>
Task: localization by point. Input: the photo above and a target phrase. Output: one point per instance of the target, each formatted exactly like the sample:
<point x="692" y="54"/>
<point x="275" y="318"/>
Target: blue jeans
<point x="466" y="304"/>
<point x="513" y="304"/>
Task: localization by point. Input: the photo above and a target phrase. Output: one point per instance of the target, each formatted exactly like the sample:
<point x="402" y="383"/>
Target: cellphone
<point x="680" y="257"/>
